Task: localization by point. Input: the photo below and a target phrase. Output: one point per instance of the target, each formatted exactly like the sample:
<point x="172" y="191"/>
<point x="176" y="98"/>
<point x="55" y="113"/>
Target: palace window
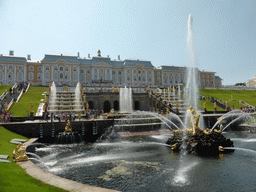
<point x="61" y="68"/>
<point x="39" y="68"/>
<point x="207" y="76"/>
<point x="47" y="75"/>
<point x="81" y="78"/>
<point x="203" y="82"/>
<point x="102" y="78"/>
<point x="66" y="76"/>
<point x="20" y="74"/>
<point x="165" y="80"/>
<point x="39" y="75"/>
<point x="149" y="79"/>
<point x="56" y="68"/>
<point x="139" y="72"/>
<point x="88" y="71"/>
<point x="108" y="71"/>
<point x="165" y="74"/>
<point x="20" y="68"/>
<point x="134" y="71"/>
<point x="55" y="76"/>
<point x="139" y="78"/>
<point x="1" y="66"/>
<point x="108" y="78"/>
<point x="119" y="72"/>
<point x="47" y="68"/>
<point x="135" y="78"/>
<point x="75" y="77"/>
<point x="95" y="77"/>
<point x="1" y="75"/>
<point x="88" y="78"/>
<point x="158" y="73"/>
<point x="143" y="72"/>
<point x="212" y="82"/>
<point x="66" y="68"/>
<point x="31" y="68"/>
<point x="81" y="71"/>
<point x="128" y="78"/>
<point x="143" y="78"/>
<point x="101" y="70"/>
<point x="149" y="72"/>
<point x="171" y="81"/>
<point x="61" y="75"/>
<point x="207" y="82"/>
<point x="74" y="68"/>
<point x="128" y="71"/>
<point x="113" y="72"/>
<point x="95" y="70"/>
<point x="202" y="76"/>
<point x="158" y="80"/>
<point x="114" y="79"/>
<point x="31" y="76"/>
<point x="11" y="67"/>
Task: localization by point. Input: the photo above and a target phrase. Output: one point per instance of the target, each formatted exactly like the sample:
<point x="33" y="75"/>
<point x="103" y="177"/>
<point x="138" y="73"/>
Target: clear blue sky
<point x="154" y="30"/>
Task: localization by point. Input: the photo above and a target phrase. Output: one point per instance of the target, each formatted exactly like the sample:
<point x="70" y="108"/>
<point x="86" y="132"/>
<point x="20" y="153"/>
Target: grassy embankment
<point x="4" y="87"/>
<point x="247" y="96"/>
<point x="12" y="176"/>
<point x="22" y="108"/>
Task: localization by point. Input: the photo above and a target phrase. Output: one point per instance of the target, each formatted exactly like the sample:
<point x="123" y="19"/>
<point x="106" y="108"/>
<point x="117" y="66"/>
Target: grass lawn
<point x="22" y="108"/>
<point x="12" y="176"/>
<point x="209" y="106"/>
<point x="4" y="87"/>
<point x="248" y="96"/>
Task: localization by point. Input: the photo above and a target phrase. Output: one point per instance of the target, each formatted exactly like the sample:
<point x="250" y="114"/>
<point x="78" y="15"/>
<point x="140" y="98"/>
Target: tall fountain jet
<point x="53" y="95"/>
<point x="191" y="90"/>
<point x="125" y="96"/>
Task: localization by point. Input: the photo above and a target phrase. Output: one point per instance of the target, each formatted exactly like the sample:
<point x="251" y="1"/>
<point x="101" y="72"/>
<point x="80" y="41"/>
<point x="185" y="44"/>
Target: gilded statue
<point x="44" y="107"/>
<point x="194" y="119"/>
<point x="167" y="111"/>
<point x="68" y="127"/>
<point x="214" y="105"/>
<point x="87" y="107"/>
<point x="19" y="154"/>
<point x="147" y="89"/>
<point x="5" y="106"/>
<point x="204" y="105"/>
<point x="226" y="104"/>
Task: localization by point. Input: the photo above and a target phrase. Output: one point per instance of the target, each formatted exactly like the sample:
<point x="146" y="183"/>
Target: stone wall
<point x="98" y="99"/>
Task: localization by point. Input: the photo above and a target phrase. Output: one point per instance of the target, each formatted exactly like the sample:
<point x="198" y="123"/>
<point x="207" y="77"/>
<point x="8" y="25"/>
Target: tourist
<point x="10" y="117"/>
<point x="59" y="116"/>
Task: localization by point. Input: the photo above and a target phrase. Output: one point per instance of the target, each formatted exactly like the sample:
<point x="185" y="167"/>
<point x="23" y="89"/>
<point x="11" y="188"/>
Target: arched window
<point x="81" y="71"/>
<point x="114" y="79"/>
<point x="39" y="76"/>
<point x="108" y="77"/>
<point x="95" y="77"/>
<point x="47" y="68"/>
<point x="134" y="71"/>
<point x="149" y="79"/>
<point x="61" y="75"/>
<point x="31" y="68"/>
<point x="108" y="71"/>
<point x="66" y="68"/>
<point x="128" y="78"/>
<point x="102" y="77"/>
<point x="66" y="76"/>
<point x="20" y="67"/>
<point x="158" y="80"/>
<point x="113" y="72"/>
<point x="47" y="75"/>
<point x="31" y="76"/>
<point x="203" y="82"/>
<point x="55" y="76"/>
<point x="88" y="71"/>
<point x="139" y="78"/>
<point x="143" y="78"/>
<point x="135" y="78"/>
<point x="139" y="72"/>
<point x="101" y="71"/>
<point x="95" y="70"/>
<point x="56" y="68"/>
<point x="74" y="68"/>
<point x="75" y="76"/>
<point x="81" y="78"/>
<point x="165" y="80"/>
<point x="39" y="68"/>
<point x="20" y="76"/>
<point x="61" y="68"/>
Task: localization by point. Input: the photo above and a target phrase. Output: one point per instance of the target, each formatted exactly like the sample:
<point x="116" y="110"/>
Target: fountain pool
<point x="144" y="163"/>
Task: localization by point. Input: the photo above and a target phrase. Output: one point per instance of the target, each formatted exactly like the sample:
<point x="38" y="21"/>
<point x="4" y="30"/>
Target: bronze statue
<point x="194" y="119"/>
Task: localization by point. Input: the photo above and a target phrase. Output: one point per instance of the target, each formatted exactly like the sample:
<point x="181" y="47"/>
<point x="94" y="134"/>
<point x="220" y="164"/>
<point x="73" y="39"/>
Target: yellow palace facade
<point x="97" y="70"/>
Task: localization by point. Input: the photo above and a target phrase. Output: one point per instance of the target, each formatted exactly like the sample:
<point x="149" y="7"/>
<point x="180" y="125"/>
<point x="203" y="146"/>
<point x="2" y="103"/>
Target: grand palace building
<point x="96" y="70"/>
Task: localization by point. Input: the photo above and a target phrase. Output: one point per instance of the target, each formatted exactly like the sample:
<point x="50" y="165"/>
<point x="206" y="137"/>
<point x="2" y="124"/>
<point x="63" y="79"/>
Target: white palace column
<point x="43" y="74"/>
<point x="14" y="76"/>
<point x="25" y="72"/>
<point x="5" y="74"/>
